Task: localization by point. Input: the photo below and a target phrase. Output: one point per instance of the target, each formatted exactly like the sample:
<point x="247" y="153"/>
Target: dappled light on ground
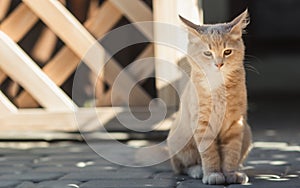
<point x="273" y="162"/>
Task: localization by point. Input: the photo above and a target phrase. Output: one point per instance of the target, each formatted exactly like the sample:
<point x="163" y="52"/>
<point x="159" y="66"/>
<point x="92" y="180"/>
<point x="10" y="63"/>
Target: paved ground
<point x="59" y="165"/>
<point x="274" y="162"/>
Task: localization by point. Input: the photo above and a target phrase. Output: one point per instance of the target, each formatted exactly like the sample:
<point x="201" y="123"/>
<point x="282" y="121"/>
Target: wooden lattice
<point x="50" y="108"/>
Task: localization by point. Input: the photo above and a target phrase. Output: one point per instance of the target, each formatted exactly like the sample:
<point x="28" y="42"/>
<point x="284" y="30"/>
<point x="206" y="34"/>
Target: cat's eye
<point x="207" y="53"/>
<point x="227" y="52"/>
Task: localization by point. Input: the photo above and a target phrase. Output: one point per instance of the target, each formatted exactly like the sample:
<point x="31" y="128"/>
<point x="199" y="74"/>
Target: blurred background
<point x="272" y="42"/>
<point x="272" y="54"/>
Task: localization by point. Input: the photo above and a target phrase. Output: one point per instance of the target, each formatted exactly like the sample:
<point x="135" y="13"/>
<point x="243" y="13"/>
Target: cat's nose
<point x="219" y="65"/>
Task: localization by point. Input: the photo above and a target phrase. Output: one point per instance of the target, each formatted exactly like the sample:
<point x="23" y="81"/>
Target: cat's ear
<point x="200" y="29"/>
<point x="194" y="29"/>
<point x="237" y="25"/>
<point x="189" y="23"/>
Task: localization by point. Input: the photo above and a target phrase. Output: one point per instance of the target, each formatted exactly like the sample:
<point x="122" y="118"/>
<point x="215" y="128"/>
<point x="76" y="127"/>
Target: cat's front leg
<point x="231" y="144"/>
<point x="210" y="158"/>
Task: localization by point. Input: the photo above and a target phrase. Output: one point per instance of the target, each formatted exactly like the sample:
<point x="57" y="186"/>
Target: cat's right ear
<point x="189" y="23"/>
<point x="194" y="29"/>
<point x="200" y="29"/>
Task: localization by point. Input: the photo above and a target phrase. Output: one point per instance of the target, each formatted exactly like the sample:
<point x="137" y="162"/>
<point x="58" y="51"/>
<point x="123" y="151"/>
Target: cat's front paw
<point x="214" y="178"/>
<point x="236" y="177"/>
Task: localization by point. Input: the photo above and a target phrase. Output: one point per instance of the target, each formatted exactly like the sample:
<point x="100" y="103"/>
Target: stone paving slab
<point x="9" y="184"/>
<point x="276" y="167"/>
<point x="59" y="184"/>
<point x="106" y="174"/>
<point x="133" y="183"/>
<point x="274" y="162"/>
<point x="32" y="176"/>
<point x="191" y="183"/>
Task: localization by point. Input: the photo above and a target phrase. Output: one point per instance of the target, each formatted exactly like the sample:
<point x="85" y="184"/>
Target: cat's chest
<point x="212" y="80"/>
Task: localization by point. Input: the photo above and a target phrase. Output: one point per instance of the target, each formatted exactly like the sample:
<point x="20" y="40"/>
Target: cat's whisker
<point x="253" y="58"/>
<point x="251" y="68"/>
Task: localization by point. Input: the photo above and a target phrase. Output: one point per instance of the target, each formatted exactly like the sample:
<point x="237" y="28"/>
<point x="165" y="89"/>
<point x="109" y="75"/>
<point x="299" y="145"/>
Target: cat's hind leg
<point x="194" y="171"/>
<point x="187" y="161"/>
<point x="247" y="141"/>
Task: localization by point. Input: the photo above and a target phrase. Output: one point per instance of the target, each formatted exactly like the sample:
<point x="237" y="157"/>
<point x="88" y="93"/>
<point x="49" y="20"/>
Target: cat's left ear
<point x="239" y="24"/>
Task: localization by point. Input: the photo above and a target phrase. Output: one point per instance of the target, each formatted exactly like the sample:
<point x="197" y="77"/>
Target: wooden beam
<point x="86" y="118"/>
<point x="136" y="11"/>
<point x="85" y="46"/>
<point x="6" y="107"/>
<point x="167" y="11"/>
<point x="4" y="7"/>
<point x="64" y="63"/>
<point x="18" y="65"/>
<point x="42" y="120"/>
<point x="19" y="22"/>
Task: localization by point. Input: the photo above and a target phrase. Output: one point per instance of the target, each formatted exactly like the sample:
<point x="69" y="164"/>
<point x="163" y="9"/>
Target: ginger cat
<point x="210" y="137"/>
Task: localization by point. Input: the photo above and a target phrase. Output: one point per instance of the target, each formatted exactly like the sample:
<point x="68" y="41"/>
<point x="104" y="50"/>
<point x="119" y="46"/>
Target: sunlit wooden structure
<point x="42" y="105"/>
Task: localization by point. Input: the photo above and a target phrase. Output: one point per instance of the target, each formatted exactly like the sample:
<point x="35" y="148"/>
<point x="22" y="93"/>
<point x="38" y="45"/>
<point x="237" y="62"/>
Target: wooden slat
<point x="45" y="46"/>
<point x="12" y="90"/>
<point x="103" y="20"/>
<point x="85" y="46"/>
<point x="58" y="70"/>
<point x="2" y="76"/>
<point x="65" y="61"/>
<point x="19" y="22"/>
<point x="6" y="107"/>
<point x="137" y="73"/>
<point x="55" y="15"/>
<point x="16" y="25"/>
<point x="136" y="11"/>
<point x="4" y="7"/>
<point x="143" y="70"/>
<point x="18" y="65"/>
<point x="93" y="8"/>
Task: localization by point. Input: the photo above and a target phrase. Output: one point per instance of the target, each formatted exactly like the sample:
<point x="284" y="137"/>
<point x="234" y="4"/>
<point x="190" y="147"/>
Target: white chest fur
<point x="213" y="79"/>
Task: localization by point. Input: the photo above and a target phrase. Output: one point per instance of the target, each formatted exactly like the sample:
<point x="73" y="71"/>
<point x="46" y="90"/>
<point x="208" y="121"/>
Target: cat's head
<point x="218" y="47"/>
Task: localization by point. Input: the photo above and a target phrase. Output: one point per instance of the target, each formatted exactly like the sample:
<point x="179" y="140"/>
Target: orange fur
<point x="211" y="129"/>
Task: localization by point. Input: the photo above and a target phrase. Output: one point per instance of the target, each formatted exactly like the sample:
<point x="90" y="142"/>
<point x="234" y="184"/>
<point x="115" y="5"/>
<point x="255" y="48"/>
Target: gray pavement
<point x="72" y="164"/>
<point x="274" y="161"/>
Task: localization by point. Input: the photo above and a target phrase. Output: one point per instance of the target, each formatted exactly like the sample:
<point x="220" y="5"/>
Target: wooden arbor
<point x="42" y="85"/>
